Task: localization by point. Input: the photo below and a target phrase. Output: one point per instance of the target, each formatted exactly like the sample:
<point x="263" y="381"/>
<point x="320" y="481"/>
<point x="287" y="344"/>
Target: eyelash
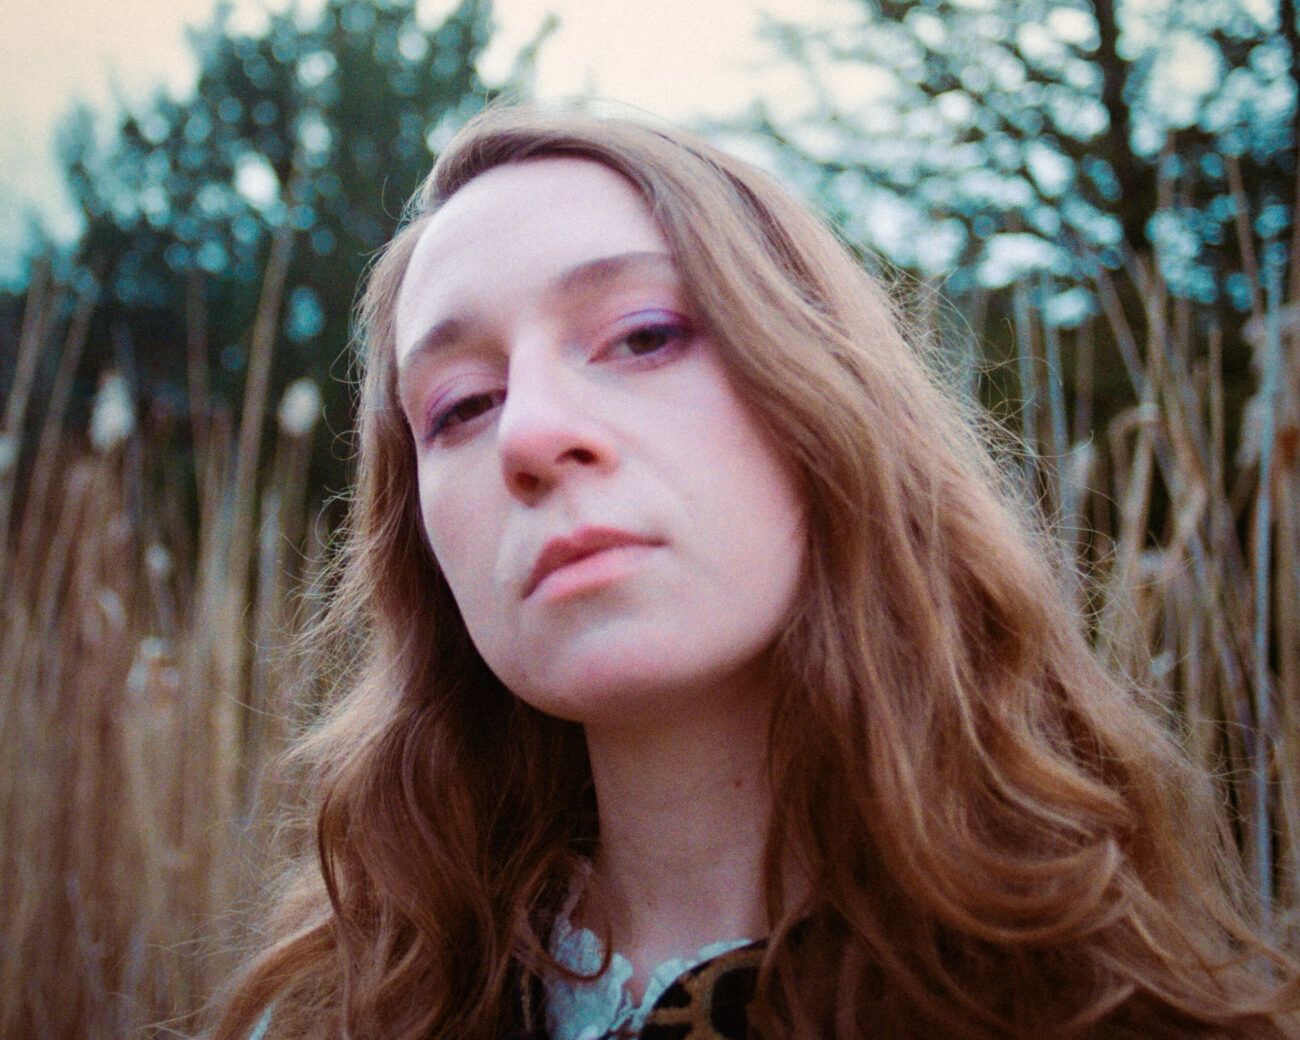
<point x="666" y="336"/>
<point x="475" y="404"/>
<point x="669" y="335"/>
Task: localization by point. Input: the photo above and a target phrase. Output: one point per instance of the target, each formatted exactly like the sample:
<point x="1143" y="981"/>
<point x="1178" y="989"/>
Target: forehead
<point x="510" y="231"/>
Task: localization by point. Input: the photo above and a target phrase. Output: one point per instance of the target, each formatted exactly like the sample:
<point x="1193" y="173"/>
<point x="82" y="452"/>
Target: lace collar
<point x="600" y="1007"/>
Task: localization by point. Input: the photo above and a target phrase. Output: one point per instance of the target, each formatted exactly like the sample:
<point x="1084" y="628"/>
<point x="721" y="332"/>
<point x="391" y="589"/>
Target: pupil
<point x="646" y="340"/>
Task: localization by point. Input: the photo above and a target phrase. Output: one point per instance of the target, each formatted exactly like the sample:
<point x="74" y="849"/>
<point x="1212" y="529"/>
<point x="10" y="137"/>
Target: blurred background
<point x="1087" y="208"/>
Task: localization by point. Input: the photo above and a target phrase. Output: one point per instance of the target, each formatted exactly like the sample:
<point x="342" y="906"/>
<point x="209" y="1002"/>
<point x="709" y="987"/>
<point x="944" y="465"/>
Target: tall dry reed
<point x="141" y="686"/>
<point x="144" y="688"/>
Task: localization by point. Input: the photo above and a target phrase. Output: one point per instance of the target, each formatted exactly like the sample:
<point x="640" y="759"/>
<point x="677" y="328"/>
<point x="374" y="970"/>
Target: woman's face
<point x="616" y="531"/>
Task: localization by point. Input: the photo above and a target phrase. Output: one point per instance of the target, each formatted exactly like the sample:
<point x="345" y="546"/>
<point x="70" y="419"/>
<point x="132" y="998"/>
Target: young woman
<point x="710" y="681"/>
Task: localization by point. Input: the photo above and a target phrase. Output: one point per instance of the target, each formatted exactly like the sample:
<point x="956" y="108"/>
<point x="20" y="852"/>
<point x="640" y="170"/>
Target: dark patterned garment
<point x="710" y="1001"/>
<point x="707" y="1002"/>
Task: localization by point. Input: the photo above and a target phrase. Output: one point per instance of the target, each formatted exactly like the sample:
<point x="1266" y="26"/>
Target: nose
<point x="548" y="431"/>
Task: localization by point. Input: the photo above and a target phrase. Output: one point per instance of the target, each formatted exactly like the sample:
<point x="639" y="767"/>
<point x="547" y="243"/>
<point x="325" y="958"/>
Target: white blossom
<point x="112" y="418"/>
<point x="300" y="407"/>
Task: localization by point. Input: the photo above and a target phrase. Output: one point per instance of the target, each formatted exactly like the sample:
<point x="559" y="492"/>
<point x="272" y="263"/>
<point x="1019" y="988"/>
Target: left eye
<point x="649" y="339"/>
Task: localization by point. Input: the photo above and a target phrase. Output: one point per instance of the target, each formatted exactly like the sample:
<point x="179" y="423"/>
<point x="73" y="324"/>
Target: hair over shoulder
<point x="995" y="827"/>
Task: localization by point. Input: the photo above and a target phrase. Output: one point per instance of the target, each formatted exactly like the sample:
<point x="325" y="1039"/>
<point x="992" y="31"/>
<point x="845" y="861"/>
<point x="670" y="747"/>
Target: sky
<point x="678" y="59"/>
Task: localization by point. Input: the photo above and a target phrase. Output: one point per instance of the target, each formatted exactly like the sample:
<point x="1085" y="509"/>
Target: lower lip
<point x="591" y="573"/>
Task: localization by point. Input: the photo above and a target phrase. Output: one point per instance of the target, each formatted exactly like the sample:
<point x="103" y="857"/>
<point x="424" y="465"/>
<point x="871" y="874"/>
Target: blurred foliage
<point x="987" y="140"/>
<point x="324" y="123"/>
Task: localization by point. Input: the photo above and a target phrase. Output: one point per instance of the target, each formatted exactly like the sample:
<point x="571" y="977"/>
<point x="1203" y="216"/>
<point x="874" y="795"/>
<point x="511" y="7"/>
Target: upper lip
<point x="586" y="541"/>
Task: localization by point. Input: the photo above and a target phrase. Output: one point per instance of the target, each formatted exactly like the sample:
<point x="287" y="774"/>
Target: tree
<point x="993" y="138"/>
<point x="322" y="126"/>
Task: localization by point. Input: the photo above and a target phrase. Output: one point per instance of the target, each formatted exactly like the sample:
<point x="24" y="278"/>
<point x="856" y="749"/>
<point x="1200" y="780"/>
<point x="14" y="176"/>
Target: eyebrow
<point x="605" y="269"/>
<point x="584" y="277"/>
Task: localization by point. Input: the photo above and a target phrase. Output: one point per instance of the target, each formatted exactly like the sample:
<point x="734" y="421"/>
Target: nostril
<point x="524" y="483"/>
<point x="537" y="449"/>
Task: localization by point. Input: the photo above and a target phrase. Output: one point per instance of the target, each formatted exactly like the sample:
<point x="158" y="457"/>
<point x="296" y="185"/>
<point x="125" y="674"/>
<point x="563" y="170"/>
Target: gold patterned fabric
<point x="708" y="1002"/>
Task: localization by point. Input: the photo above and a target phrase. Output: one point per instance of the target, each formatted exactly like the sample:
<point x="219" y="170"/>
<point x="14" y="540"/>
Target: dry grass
<point x="143" y="687"/>
<point x="142" y="682"/>
<point x="1205" y="611"/>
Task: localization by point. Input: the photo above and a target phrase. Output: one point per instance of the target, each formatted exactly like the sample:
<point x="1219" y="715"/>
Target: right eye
<point x="464" y="410"/>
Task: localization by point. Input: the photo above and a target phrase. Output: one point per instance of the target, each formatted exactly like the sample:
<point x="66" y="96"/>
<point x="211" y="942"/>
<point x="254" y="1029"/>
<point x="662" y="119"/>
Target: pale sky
<point x="674" y="58"/>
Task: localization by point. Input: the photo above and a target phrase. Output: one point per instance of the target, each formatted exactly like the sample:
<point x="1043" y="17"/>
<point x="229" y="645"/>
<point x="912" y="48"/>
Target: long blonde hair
<point x="1002" y="841"/>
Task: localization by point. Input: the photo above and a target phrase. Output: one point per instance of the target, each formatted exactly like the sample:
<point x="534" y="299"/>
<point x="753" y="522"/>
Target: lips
<point x="587" y="541"/>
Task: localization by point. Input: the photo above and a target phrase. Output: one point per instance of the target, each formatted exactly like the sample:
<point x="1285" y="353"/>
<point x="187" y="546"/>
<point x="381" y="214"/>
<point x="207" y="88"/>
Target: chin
<point x="598" y="696"/>
<point x="633" y="688"/>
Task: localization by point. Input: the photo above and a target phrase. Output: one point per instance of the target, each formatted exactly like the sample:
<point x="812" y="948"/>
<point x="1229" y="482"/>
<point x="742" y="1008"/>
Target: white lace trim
<point x="596" y="1008"/>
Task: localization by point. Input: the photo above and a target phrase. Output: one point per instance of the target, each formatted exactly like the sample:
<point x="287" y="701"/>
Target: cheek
<point x="454" y="536"/>
<point x="759" y="479"/>
<point x="751" y="507"/>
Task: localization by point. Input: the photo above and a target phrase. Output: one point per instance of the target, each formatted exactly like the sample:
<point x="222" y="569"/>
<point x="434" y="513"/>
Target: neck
<point x="684" y="806"/>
